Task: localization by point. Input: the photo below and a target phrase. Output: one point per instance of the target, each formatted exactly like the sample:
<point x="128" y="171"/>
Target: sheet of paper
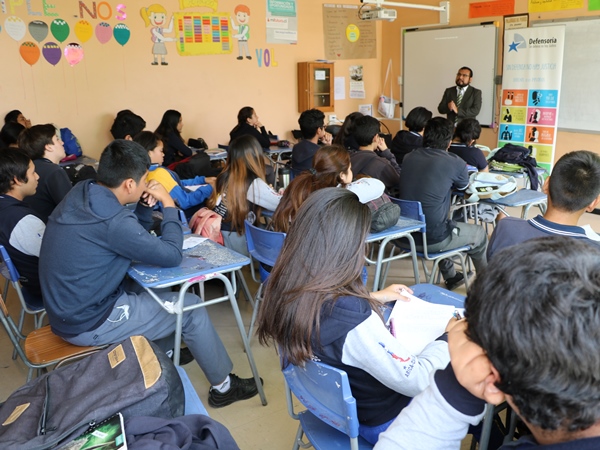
<point x="192" y="241"/>
<point x="339" y="85"/>
<point x="417" y="323"/>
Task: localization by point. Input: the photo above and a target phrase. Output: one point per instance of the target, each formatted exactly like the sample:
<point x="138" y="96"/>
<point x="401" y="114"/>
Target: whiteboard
<point x="579" y="104"/>
<point x="432" y="57"/>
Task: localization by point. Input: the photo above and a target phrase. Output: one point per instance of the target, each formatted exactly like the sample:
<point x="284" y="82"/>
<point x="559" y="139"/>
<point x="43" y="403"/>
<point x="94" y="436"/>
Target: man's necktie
<point x="459" y="98"/>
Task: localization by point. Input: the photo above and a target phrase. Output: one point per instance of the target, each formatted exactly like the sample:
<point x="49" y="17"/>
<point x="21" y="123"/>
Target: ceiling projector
<point x="379" y="14"/>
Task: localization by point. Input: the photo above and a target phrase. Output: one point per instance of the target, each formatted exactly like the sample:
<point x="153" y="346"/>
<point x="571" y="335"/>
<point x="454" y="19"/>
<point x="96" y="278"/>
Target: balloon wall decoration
<point x="52" y="52"/>
<point x="30" y="52"/>
<point x="38" y="30"/>
<point x="103" y="32"/>
<point x="73" y="53"/>
<point x="15" y="27"/>
<point x="60" y="29"/>
<point x="121" y="33"/>
<point x="83" y="31"/>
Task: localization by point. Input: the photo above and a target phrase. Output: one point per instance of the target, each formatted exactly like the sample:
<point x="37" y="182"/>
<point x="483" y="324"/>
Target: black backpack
<point x="134" y="378"/>
<point x="196" y="165"/>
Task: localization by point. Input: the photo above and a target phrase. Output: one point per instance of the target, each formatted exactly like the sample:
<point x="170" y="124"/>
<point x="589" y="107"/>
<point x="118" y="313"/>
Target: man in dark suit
<point x="462" y="101"/>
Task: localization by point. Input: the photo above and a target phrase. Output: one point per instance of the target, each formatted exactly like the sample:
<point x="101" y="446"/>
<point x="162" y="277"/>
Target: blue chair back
<point x="411" y="209"/>
<point x="7" y="268"/>
<point x="325" y="392"/>
<point x="264" y="246"/>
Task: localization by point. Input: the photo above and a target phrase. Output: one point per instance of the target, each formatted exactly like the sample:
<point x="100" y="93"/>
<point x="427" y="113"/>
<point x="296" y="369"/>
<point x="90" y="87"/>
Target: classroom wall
<point x="459" y="15"/>
<point x="208" y="90"/>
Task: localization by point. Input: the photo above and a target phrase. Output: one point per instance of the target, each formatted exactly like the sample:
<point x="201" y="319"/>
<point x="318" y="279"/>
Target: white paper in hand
<point x="417" y="323"/>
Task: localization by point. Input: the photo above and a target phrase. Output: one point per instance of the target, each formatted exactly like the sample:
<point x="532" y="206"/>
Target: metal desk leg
<point x="242" y="329"/>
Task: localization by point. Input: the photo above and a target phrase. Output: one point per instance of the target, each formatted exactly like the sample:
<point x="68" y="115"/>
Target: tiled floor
<point x="255" y="427"/>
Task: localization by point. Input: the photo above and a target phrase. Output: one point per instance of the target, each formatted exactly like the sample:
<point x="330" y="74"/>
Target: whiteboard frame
<point x="566" y="21"/>
<point x="447" y="74"/>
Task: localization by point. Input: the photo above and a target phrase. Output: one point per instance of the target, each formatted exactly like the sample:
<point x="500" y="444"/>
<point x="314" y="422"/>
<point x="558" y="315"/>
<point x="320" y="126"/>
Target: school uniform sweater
<point x="21" y="233"/>
<point x="383" y="374"/>
<point x="176" y="187"/>
<point x="439" y="418"/>
<point x="511" y="231"/>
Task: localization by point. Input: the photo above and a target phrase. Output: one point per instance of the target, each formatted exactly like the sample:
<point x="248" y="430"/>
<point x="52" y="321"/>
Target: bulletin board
<point x="432" y="57"/>
<point x="346" y="36"/>
<point x="579" y="104"/>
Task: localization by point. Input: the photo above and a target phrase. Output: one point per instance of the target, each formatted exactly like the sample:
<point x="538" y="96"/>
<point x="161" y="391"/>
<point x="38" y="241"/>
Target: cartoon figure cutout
<point x="242" y="14"/>
<point x="156" y="15"/>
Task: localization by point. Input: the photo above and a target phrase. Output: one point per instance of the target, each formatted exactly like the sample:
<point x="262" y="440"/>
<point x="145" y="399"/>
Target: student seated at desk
<point x="463" y="144"/>
<point x="169" y="130"/>
<point x="373" y="158"/>
<point x="331" y="167"/>
<point x="248" y="124"/>
<point x="429" y="176"/>
<point x="90" y="242"/>
<point x="316" y="306"/>
<point x="43" y="145"/>
<point x="572" y="189"/>
<point x="16" y="116"/>
<point x="21" y="230"/>
<point x="312" y="127"/>
<point x="531" y="338"/>
<point x="406" y="141"/>
<point x="126" y="125"/>
<point x="9" y="135"/>
<point x="186" y="198"/>
<point x="345" y="136"/>
<point x="241" y="189"/>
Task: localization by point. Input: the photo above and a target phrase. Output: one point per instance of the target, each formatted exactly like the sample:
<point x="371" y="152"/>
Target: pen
<point x="456" y="315"/>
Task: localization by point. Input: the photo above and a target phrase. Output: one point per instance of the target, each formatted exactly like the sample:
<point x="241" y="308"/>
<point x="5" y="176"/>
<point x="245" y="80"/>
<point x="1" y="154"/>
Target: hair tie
<point x="312" y="171"/>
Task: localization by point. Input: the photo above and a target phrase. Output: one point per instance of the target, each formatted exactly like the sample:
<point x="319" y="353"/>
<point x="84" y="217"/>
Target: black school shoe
<point x="239" y="389"/>
<point x="456" y="281"/>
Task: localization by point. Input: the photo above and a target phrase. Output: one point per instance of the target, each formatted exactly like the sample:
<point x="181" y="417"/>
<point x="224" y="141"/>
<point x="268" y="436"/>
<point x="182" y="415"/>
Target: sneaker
<point x="240" y="389"/>
<point x="185" y="356"/>
<point x="456" y="281"/>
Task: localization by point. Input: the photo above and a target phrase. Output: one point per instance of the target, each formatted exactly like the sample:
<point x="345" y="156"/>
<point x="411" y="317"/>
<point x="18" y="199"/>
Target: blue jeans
<point x="139" y="314"/>
<point x="371" y="434"/>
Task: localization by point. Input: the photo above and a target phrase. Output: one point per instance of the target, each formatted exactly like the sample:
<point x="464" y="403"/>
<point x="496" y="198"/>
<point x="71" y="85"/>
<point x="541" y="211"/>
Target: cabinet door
<point x="321" y="80"/>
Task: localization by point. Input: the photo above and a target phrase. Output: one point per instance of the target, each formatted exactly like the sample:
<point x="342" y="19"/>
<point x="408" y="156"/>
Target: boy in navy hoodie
<point x="91" y="240"/>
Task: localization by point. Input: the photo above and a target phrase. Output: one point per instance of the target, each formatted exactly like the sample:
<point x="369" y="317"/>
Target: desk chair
<point x="263" y="246"/>
<point x="41" y="347"/>
<point x="413" y="210"/>
<point x="11" y="275"/>
<point x="330" y="420"/>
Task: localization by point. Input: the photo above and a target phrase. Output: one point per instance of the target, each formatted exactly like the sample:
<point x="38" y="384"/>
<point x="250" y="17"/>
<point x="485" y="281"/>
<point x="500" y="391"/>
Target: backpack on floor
<point x="134" y="378"/>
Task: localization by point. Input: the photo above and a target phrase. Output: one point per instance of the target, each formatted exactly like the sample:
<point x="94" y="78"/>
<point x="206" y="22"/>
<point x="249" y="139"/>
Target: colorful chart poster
<point x="202" y="34"/>
<point x="346" y="36"/>
<point x="553" y="5"/>
<point x="282" y="22"/>
<point x="533" y="60"/>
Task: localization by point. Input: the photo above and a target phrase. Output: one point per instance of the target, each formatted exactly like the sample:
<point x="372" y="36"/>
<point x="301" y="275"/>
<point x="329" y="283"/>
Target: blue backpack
<point x="72" y="146"/>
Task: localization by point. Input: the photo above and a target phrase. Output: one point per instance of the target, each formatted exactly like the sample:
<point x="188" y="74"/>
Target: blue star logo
<point x="513" y="46"/>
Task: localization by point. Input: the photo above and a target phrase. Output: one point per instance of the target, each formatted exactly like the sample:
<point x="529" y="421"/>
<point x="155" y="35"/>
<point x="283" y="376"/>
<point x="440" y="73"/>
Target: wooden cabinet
<point x="315" y="86"/>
